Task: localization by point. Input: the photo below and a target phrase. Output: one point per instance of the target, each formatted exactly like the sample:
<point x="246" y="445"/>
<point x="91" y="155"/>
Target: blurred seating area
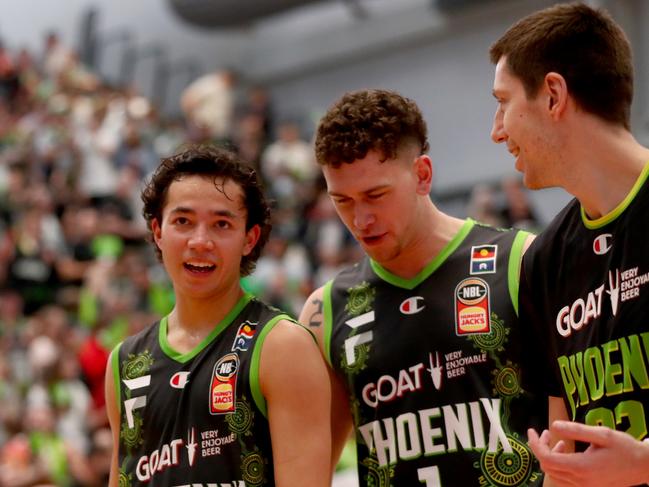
<point x="76" y="272"/>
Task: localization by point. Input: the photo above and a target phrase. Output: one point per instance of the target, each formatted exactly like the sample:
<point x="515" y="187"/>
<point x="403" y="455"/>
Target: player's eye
<point x="181" y="220"/>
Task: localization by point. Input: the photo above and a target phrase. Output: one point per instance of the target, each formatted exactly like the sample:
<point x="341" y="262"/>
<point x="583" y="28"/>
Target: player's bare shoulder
<point x="312" y="315"/>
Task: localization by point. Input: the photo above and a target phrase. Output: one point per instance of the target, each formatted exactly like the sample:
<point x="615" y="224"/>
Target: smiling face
<point x="202" y="236"/>
<point x="380" y="202"/>
<point x="523" y="124"/>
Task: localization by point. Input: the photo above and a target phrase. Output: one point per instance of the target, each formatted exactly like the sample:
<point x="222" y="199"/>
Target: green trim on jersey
<point x="514" y="267"/>
<point x="114" y="364"/>
<point x="327" y="313"/>
<point x="255" y="388"/>
<point x="432" y="266"/>
<point x="186" y="357"/>
<point x="617" y="211"/>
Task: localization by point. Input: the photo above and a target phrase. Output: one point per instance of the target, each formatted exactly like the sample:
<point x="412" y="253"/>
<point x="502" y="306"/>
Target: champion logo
<point x="602" y="243"/>
<point x="179" y="380"/>
<point x="412" y="305"/>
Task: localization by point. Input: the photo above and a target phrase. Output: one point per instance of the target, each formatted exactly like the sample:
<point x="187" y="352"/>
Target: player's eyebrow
<point x="186" y="210"/>
<point x="373" y="189"/>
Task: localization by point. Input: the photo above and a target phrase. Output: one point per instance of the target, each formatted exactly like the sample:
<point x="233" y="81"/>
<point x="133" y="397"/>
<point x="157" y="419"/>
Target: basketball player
<point x="224" y="391"/>
<point x="421" y="336"/>
<point x="564" y="85"/>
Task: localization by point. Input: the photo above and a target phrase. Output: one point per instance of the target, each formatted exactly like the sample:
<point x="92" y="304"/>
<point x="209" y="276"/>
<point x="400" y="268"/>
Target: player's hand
<point x="613" y="458"/>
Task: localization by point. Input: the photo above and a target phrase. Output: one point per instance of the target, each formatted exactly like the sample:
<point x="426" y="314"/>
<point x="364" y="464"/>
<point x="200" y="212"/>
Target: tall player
<point x="224" y="390"/>
<point x="422" y="336"/>
<point x="564" y="85"/>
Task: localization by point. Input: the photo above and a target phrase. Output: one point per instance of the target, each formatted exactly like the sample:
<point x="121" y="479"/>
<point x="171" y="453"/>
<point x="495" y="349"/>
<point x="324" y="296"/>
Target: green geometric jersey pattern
<point x="197" y="418"/>
<point x="432" y="366"/>
<point x="585" y="295"/>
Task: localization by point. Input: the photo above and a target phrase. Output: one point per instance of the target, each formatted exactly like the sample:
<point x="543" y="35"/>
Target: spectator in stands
<point x="74" y="280"/>
<point x="9" y="78"/>
<point x="209" y="103"/>
<point x="289" y="156"/>
<point x="55" y="57"/>
<point x="517" y="210"/>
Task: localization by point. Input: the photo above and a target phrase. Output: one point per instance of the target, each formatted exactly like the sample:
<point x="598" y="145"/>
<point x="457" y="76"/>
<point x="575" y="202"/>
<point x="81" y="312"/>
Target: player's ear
<point x="424" y="173"/>
<point x="555" y="89"/>
<point x="252" y="237"/>
<point x="156" y="230"/>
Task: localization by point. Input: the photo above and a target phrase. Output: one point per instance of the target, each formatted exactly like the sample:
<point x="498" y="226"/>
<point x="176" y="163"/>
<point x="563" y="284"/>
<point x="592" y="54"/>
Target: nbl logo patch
<point x="244" y="336"/>
<point x="472" y="308"/>
<point x="483" y="259"/>
<point x="224" y="384"/>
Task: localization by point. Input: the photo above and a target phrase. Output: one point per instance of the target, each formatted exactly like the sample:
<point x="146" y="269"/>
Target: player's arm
<point x="613" y="459"/>
<point x="547" y="442"/>
<point x="293" y="379"/>
<point x="312" y="316"/>
<point x="597" y="465"/>
<point x="557" y="412"/>
<point x="113" y="419"/>
<point x="528" y="241"/>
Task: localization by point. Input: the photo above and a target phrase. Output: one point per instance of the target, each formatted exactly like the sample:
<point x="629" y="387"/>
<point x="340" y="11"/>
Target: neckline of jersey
<point x="431" y="267"/>
<point x="619" y="209"/>
<point x="185" y="357"/>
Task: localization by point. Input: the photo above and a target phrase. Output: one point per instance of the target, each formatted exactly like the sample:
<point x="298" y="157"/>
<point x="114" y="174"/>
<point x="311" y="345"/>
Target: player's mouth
<point x="516" y="152"/>
<point x="372" y="239"/>
<point x="196" y="267"/>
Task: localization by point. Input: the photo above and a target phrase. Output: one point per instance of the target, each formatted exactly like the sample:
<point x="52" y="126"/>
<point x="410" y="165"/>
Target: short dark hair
<point x="366" y="120"/>
<point x="214" y="163"/>
<point x="582" y="44"/>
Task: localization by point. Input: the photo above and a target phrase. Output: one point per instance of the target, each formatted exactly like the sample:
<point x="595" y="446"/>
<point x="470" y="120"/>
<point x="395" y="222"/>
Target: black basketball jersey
<point x="585" y="288"/>
<point x="432" y="366"/>
<point x="199" y="418"/>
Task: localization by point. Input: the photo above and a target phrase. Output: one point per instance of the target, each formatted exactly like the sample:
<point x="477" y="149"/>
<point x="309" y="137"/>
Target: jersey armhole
<point x="306" y="328"/>
<point x="514" y="267"/>
<point x="114" y="364"/>
<point x="327" y="318"/>
<point x="255" y="388"/>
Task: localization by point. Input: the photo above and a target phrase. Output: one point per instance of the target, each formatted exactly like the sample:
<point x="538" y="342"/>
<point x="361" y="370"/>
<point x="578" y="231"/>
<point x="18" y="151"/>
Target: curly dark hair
<point x="366" y="120"/>
<point x="216" y="163"/>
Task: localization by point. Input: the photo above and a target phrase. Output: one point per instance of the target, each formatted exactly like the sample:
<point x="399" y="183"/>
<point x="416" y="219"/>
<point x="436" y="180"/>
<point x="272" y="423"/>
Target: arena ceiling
<point x="231" y="13"/>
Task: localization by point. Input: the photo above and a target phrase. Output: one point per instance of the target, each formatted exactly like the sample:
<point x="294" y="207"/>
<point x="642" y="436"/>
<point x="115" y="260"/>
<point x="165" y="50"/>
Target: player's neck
<point x="196" y="318"/>
<point x="606" y="171"/>
<point x="432" y="235"/>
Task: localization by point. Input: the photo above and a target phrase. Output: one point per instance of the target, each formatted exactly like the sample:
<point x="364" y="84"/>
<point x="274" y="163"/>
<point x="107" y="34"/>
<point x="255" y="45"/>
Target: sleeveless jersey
<point x="585" y="287"/>
<point x="199" y="418"/>
<point x="432" y="366"/>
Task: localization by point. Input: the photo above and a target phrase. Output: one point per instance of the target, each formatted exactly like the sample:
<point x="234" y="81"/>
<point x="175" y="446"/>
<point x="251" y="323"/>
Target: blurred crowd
<point x="505" y="205"/>
<point x="76" y="272"/>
